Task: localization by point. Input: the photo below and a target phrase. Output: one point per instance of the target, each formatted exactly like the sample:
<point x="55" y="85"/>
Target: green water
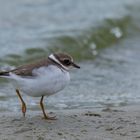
<point x="84" y="46"/>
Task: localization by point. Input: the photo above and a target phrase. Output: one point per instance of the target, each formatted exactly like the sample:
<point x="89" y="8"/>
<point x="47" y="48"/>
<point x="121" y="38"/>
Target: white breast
<point x="49" y="80"/>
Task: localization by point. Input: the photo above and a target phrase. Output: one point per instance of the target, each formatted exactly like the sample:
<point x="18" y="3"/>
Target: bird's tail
<point x="4" y="73"/>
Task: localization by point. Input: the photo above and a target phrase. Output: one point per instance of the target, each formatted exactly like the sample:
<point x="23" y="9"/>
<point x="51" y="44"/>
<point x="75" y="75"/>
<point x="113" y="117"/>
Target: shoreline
<point x="116" y="123"/>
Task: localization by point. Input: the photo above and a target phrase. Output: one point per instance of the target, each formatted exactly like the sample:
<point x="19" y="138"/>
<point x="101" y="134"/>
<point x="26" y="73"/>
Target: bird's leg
<point x="23" y="105"/>
<point x="43" y="110"/>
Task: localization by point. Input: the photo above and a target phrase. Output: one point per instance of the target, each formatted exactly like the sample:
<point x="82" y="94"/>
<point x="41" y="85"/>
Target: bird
<point x="41" y="78"/>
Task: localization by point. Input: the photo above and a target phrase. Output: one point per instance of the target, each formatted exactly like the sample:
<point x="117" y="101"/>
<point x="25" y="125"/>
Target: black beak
<point x="75" y="65"/>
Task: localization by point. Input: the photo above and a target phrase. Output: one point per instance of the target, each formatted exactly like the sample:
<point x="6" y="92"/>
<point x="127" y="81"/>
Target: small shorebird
<point x="42" y="78"/>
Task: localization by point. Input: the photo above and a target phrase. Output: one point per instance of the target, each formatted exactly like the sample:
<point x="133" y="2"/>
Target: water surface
<point x="102" y="36"/>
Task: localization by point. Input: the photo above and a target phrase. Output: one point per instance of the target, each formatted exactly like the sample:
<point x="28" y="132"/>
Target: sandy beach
<point x="119" y="123"/>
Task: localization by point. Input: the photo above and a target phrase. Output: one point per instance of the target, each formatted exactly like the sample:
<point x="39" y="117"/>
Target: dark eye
<point x="67" y="62"/>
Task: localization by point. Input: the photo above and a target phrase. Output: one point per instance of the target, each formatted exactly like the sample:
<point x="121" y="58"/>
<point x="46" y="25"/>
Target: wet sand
<point x="120" y="123"/>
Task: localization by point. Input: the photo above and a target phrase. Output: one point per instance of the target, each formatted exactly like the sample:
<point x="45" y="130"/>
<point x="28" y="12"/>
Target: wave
<point x="82" y="46"/>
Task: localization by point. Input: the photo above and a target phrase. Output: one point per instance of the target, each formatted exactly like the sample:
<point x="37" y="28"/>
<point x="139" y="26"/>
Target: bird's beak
<point x="75" y="65"/>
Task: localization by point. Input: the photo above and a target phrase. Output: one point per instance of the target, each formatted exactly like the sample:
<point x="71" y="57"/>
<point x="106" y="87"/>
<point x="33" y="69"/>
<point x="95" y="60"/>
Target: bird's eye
<point x="67" y="62"/>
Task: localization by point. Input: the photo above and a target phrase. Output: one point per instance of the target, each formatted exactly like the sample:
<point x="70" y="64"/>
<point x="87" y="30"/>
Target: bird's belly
<point x="46" y="85"/>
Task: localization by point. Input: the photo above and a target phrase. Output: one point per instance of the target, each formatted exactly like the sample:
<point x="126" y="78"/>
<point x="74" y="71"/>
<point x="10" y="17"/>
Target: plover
<point x="42" y="78"/>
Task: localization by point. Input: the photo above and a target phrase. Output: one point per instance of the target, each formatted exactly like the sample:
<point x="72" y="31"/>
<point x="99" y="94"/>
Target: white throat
<point x="57" y="61"/>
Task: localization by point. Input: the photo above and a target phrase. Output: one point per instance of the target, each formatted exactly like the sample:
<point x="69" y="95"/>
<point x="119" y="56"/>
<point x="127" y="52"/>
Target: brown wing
<point x="27" y="70"/>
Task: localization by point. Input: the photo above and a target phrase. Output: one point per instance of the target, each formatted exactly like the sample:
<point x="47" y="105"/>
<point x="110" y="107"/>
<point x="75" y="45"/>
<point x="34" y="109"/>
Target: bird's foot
<point x="46" y="117"/>
<point x="24" y="109"/>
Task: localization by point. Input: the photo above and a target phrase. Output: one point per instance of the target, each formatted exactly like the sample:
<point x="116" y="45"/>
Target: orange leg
<point x="43" y="110"/>
<point x="23" y="105"/>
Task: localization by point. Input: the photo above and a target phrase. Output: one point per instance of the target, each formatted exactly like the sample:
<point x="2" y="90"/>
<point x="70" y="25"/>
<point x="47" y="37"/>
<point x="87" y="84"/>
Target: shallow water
<point x="103" y="38"/>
